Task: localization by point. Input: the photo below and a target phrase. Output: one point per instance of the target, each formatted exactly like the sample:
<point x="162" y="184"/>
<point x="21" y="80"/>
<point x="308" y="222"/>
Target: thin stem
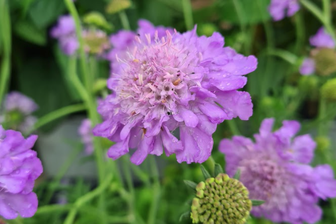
<point x="187" y="12"/>
<point x="58" y="114"/>
<point x="313" y="9"/>
<point x="6" y="46"/>
<point x="124" y="20"/>
<point x="156" y="192"/>
<point x="131" y="196"/>
<point x="233" y="127"/>
<point x="327" y="9"/>
<point x="84" y="68"/>
<point x="300" y="31"/>
<point x="240" y="15"/>
<point x="86" y="198"/>
<point x="285" y="55"/>
<point x="53" y="208"/>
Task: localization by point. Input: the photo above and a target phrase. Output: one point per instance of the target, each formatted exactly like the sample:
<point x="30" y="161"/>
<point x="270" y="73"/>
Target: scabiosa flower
<point x="16" y="112"/>
<point x="19" y="169"/>
<point x="180" y="82"/>
<point x="307" y="66"/>
<point x="276" y="169"/>
<point x="322" y="39"/>
<point x="85" y="132"/>
<point x="279" y="9"/>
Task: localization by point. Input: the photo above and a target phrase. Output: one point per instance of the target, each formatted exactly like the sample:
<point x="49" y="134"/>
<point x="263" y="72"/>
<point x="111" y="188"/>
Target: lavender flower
<point x="322" y="39"/>
<point x="279" y="9"/>
<point x="16" y="112"/>
<point x="307" y="66"/>
<point x="173" y="83"/>
<point x="19" y="169"/>
<point x="85" y="132"/>
<point x="276" y="169"/>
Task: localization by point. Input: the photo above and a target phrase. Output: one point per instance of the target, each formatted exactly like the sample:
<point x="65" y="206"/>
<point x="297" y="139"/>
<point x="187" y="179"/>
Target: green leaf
<point x="190" y="184"/>
<point x="237" y="175"/>
<point x="257" y="202"/>
<point x="45" y="12"/>
<point x="206" y="174"/>
<point x="218" y="169"/>
<point x="29" y="32"/>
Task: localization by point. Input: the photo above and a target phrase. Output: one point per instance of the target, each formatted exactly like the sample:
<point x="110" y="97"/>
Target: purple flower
<point x="322" y="39"/>
<point x="124" y="40"/>
<point x="19" y="169"/>
<point x="85" y="132"/>
<point x="178" y="83"/>
<point x="307" y="66"/>
<point x="276" y="169"/>
<point x="16" y="112"/>
<point x="279" y="9"/>
<point x="65" y="32"/>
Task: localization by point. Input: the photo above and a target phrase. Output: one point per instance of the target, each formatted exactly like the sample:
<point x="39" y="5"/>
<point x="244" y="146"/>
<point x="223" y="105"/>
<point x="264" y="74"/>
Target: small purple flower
<point x="279" y="9"/>
<point x="174" y="83"/>
<point x="16" y="112"/>
<point x="85" y="132"/>
<point x="276" y="169"/>
<point x="19" y="169"/>
<point x="322" y="39"/>
<point x="307" y="66"/>
<point x="65" y="32"/>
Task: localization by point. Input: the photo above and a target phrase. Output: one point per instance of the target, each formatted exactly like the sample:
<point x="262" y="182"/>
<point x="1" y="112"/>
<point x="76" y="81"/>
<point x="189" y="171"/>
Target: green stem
<point x="84" y="68"/>
<point x="86" y="198"/>
<point x="5" y="36"/>
<point x="53" y="208"/>
<point x="233" y="127"/>
<point x="58" y="114"/>
<point x="124" y="20"/>
<point x="285" y="55"/>
<point x="187" y="12"/>
<point x="313" y="9"/>
<point x="131" y="196"/>
<point x="156" y="192"/>
<point x="300" y="32"/>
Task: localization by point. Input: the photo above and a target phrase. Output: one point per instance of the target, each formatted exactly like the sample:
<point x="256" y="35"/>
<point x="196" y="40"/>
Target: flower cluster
<point x="16" y="112"/>
<point x="276" y="169"/>
<point x="95" y="41"/>
<point x="85" y="132"/>
<point x="19" y="169"/>
<point x="279" y="9"/>
<point x="178" y="83"/>
<point x="322" y="54"/>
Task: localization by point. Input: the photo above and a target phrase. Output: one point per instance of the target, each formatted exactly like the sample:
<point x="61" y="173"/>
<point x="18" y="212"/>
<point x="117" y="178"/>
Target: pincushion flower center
<point x="153" y="78"/>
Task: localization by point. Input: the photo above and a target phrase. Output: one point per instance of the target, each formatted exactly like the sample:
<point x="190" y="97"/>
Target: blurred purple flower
<point x="16" y="112"/>
<point x="322" y="39"/>
<point x="276" y="169"/>
<point x="19" y="169"/>
<point x="307" y="66"/>
<point x="65" y="32"/>
<point x="85" y="132"/>
<point x="279" y="9"/>
<point x="173" y="83"/>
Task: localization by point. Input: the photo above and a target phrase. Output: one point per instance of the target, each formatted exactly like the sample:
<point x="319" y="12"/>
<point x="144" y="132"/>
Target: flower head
<point x="276" y="169"/>
<point x="19" y="169"/>
<point x="85" y="132"/>
<point x="322" y="39"/>
<point x="221" y="200"/>
<point x="279" y="9"/>
<point x="307" y="66"/>
<point x="16" y="112"/>
<point x="179" y="82"/>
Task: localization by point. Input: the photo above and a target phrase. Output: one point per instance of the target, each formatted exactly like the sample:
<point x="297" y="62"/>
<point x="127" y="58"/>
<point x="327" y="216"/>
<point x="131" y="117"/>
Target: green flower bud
<point x="323" y="143"/>
<point x="328" y="90"/>
<point x="95" y="42"/>
<point x="221" y="200"/>
<point x="117" y="5"/>
<point x="96" y="19"/>
<point x="206" y="29"/>
<point x="325" y="59"/>
<point x="309" y="84"/>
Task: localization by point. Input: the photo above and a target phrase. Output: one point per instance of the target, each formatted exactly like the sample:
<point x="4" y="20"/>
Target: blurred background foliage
<point x="39" y="70"/>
